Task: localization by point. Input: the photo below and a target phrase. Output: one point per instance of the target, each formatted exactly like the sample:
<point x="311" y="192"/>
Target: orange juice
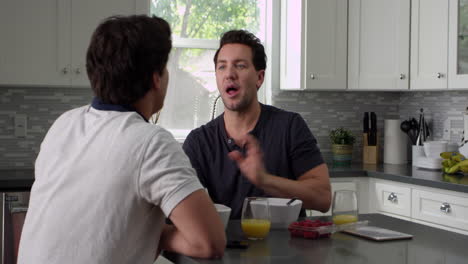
<point x="256" y="228"/>
<point x="344" y="219"/>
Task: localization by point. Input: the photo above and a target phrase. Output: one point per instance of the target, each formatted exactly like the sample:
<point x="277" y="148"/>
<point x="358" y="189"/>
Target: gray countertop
<point x="16" y="180"/>
<point x="429" y="245"/>
<point x="22" y="179"/>
<point x="405" y="174"/>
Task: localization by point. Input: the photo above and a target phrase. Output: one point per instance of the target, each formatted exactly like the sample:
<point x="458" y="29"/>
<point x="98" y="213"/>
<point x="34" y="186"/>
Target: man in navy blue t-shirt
<point x="254" y="149"/>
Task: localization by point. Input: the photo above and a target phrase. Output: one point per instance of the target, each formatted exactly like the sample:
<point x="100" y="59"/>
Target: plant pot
<point x="342" y="155"/>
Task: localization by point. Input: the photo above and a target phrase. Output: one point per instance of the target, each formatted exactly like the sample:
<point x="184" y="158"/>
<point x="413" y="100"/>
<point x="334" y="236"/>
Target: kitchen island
<point x="428" y="245"/>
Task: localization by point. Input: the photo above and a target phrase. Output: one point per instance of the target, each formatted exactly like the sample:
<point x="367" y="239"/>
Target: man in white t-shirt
<point x="105" y="178"/>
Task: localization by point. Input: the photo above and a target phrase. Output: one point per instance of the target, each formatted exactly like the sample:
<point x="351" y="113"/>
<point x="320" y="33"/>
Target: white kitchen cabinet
<point x="359" y="185"/>
<point x="458" y="45"/>
<point x="391" y="198"/>
<point x="313" y="44"/>
<point x="46" y="41"/>
<point x="29" y="43"/>
<point x="429" y="40"/>
<point x="441" y="207"/>
<point x="425" y="205"/>
<point x="378" y="45"/>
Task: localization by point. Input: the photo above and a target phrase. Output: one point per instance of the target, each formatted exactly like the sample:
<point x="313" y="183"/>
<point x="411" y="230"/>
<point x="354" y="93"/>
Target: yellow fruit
<point x="464" y="168"/>
<point x="445" y="163"/>
<point x="458" y="158"/>
<point x="446" y="155"/>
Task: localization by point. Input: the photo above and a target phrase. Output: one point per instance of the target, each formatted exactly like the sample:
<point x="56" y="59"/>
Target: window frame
<point x="271" y="43"/>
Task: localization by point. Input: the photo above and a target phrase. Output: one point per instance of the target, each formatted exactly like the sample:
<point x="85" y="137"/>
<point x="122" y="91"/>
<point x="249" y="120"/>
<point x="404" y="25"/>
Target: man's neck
<point x="238" y="124"/>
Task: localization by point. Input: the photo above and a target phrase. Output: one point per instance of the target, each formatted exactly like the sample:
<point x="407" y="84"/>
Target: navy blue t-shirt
<point x="289" y="150"/>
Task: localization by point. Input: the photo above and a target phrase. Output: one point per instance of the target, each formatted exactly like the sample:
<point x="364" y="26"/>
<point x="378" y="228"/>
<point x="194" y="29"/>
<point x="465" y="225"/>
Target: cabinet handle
<point x="402" y="76"/>
<point x="77" y="71"/>
<point x="393" y="198"/>
<point x="439" y="75"/>
<point x="65" y="70"/>
<point x="312" y="76"/>
<point x="445" y="208"/>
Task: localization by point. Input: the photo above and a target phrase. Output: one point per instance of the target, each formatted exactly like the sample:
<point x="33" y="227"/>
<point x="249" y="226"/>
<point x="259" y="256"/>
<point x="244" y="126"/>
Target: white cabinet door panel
<point x="378" y="44"/>
<point x="29" y="43"/>
<point x="85" y="17"/>
<point x="393" y="199"/>
<point x="429" y="44"/>
<point x="326" y="43"/>
<point x="428" y="206"/>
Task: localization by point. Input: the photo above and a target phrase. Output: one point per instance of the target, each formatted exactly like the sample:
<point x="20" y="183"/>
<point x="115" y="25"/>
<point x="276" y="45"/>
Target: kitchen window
<point x="197" y="26"/>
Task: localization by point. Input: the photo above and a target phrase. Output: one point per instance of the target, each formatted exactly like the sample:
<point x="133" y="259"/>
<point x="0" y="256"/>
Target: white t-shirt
<point x="104" y="182"/>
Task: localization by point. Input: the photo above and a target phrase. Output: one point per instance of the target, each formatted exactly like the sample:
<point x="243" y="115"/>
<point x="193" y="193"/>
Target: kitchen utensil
<point x="414" y="130"/>
<point x="421" y="130"/>
<point x="405" y="126"/>
<point x="365" y="128"/>
<point x="291" y="201"/>
<point x="372" y="139"/>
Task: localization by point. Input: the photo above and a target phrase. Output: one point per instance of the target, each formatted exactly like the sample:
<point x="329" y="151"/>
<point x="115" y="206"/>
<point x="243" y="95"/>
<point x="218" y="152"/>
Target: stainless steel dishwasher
<point x="14" y="206"/>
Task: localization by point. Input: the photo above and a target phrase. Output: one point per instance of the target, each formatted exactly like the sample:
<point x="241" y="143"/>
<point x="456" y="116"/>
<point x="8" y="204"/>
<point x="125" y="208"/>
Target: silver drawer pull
<point x="393" y="198"/>
<point x="445" y="208"/>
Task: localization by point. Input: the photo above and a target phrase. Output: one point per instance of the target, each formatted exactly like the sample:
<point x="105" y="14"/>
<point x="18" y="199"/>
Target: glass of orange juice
<point x="255" y="220"/>
<point x="344" y="207"/>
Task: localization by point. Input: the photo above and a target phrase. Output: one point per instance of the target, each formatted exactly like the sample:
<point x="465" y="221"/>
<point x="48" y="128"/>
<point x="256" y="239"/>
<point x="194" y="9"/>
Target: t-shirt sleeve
<point x="192" y="149"/>
<point x="305" y="154"/>
<point x="166" y="176"/>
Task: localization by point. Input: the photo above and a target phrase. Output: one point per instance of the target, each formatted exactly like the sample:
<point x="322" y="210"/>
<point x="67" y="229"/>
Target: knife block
<point x="370" y="154"/>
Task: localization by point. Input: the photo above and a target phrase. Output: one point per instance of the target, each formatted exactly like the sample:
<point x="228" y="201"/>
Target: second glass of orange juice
<point x="255" y="218"/>
<point x="344" y="207"/>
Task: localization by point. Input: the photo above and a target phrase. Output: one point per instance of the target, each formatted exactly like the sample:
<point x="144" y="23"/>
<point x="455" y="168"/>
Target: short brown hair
<point x="245" y="37"/>
<point x="123" y="54"/>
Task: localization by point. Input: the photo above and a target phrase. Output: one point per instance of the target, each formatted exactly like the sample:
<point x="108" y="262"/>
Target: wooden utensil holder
<point x="370" y="154"/>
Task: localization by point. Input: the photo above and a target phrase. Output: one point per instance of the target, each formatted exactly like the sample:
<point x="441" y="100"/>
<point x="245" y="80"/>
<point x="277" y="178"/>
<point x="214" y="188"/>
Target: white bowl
<point x="281" y="214"/>
<point x="432" y="149"/>
<point x="224" y="212"/>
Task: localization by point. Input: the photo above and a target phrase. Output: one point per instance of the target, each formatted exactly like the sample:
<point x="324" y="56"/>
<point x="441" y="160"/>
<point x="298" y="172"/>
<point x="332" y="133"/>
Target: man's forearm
<point x="313" y="190"/>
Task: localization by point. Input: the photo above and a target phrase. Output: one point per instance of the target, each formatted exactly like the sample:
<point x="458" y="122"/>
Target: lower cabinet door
<point x="442" y="208"/>
<point x="393" y="199"/>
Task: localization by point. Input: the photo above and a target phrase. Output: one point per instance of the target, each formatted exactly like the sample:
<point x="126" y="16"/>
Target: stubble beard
<point x="240" y="106"/>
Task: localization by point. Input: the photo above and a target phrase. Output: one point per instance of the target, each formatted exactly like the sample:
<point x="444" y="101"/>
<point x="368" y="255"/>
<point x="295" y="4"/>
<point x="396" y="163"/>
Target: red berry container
<point x="310" y="229"/>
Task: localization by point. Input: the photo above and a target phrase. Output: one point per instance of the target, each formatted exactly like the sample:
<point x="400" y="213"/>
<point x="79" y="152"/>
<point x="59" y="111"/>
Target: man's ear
<point x="156" y="81"/>
<point x="261" y="78"/>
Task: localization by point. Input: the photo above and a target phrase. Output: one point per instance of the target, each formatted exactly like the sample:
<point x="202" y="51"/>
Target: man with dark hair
<point x="105" y="178"/>
<point x="254" y="149"/>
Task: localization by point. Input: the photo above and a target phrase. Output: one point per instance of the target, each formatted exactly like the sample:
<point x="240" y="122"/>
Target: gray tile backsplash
<point x="322" y="111"/>
<point x="41" y="106"/>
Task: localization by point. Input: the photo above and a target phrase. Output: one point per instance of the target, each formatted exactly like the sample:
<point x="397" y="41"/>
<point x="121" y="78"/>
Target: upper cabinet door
<point x="313" y="44"/>
<point x="29" y="43"/>
<point x="458" y="44"/>
<point x="429" y="41"/>
<point x="325" y="44"/>
<point x="378" y="47"/>
<point x="85" y="17"/>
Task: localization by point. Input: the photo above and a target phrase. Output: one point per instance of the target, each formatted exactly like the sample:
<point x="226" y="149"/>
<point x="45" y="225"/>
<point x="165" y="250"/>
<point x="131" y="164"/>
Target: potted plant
<point x="342" y="141"/>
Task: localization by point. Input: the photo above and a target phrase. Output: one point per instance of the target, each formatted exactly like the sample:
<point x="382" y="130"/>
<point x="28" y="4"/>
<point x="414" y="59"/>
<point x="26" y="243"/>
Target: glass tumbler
<point x="344" y="207"/>
<point x="255" y="220"/>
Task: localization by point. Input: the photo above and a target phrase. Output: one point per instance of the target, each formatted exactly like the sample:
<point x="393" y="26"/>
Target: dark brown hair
<point x="124" y="53"/>
<point x="244" y="37"/>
